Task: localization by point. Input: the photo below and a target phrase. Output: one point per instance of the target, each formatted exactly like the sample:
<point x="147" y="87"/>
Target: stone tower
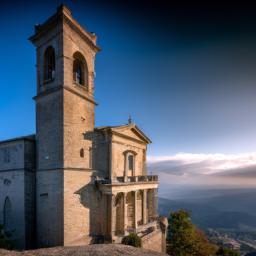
<point x="64" y="114"/>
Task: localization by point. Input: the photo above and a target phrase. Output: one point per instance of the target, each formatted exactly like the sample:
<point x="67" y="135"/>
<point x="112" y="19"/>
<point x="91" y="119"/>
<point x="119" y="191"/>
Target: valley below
<point x="227" y="216"/>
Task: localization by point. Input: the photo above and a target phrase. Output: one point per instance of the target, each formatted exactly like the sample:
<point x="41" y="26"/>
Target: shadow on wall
<point x="92" y="199"/>
<point x="98" y="153"/>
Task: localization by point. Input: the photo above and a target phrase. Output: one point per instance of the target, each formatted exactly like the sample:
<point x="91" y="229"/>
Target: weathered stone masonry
<point x="73" y="183"/>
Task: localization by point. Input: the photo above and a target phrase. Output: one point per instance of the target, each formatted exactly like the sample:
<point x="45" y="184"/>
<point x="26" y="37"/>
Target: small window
<point x="130" y="162"/>
<point x="82" y="152"/>
<point x="49" y="64"/>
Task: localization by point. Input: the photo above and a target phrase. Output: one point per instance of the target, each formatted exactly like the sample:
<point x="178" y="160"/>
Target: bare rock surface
<point x="89" y="250"/>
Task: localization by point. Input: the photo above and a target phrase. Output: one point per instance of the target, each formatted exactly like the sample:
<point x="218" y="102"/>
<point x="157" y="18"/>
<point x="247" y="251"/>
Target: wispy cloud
<point x="202" y="163"/>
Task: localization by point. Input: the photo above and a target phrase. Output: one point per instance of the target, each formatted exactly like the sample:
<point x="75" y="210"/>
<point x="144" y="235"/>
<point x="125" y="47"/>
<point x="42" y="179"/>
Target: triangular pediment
<point x="131" y="131"/>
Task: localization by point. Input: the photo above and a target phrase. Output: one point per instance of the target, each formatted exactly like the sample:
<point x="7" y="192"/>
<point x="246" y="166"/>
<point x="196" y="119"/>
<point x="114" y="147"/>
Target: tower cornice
<point x="68" y="88"/>
<point x="63" y="15"/>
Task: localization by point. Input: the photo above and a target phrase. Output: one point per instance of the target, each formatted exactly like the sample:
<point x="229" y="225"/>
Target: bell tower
<point x="65" y="54"/>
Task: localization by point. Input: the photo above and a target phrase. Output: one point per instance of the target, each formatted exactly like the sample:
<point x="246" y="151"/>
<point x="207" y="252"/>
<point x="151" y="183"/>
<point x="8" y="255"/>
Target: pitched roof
<point x="119" y="128"/>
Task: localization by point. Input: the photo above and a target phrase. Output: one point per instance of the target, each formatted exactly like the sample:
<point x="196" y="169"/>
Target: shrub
<point x="132" y="239"/>
<point x="5" y="239"/>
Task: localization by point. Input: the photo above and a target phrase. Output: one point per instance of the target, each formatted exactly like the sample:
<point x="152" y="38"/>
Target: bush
<point x="132" y="239"/>
<point x="5" y="239"/>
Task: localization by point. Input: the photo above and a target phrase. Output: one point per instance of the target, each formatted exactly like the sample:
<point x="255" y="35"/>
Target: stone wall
<point x="100" y="154"/>
<point x="49" y="123"/>
<point x="78" y="124"/>
<point x="153" y="241"/>
<point x="119" y="146"/>
<point x="81" y="208"/>
<point x="49" y="199"/>
<point x="17" y="166"/>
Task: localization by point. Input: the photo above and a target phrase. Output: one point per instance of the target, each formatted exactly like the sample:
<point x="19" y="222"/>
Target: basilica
<point x="72" y="183"/>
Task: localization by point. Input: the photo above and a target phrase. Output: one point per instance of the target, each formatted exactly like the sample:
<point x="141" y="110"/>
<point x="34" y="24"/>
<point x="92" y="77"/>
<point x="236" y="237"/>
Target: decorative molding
<point x="66" y="169"/>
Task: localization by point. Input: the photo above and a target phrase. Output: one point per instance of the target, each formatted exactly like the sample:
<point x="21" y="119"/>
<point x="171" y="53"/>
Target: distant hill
<point x="228" y="209"/>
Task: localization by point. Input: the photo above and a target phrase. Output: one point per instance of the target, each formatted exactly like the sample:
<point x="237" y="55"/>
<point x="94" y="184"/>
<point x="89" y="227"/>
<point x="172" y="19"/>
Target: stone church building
<point x="72" y="183"/>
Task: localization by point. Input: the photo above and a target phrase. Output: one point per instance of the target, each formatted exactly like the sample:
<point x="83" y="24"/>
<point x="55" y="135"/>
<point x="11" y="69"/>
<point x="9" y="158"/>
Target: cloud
<point x="207" y="164"/>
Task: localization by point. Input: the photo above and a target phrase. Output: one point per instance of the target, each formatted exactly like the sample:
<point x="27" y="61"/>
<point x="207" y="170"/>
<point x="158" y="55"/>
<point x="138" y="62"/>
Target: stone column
<point x="144" y="217"/>
<point x="113" y="215"/>
<point x="125" y="213"/>
<point x="135" y="209"/>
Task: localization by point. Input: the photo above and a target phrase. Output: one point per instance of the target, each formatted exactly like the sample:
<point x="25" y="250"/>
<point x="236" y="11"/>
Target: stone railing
<point x="129" y="179"/>
<point x="144" y="228"/>
<point x="145" y="178"/>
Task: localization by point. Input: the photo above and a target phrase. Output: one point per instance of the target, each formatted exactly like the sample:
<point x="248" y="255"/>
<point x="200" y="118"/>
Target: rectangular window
<point x="130" y="163"/>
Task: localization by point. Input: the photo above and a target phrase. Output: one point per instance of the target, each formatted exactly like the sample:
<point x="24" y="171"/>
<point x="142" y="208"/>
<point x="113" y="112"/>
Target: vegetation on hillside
<point x="185" y="239"/>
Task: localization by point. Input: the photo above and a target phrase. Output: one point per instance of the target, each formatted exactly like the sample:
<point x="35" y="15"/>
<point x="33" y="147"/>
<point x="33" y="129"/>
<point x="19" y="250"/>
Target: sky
<point x="186" y="172"/>
<point x="185" y="72"/>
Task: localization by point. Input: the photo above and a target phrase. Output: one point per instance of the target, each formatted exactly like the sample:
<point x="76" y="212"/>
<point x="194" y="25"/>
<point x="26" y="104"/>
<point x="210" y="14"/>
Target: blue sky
<point x="187" y="80"/>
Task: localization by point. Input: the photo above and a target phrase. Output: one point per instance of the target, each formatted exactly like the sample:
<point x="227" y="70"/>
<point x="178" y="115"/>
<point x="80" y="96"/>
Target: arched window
<point x="80" y="70"/>
<point x="129" y="163"/>
<point x="49" y="64"/>
<point x="7" y="214"/>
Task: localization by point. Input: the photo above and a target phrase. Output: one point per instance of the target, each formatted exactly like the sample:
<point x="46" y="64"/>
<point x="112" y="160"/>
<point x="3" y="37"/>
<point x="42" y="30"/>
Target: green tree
<point x="132" y="239"/>
<point x="184" y="239"/>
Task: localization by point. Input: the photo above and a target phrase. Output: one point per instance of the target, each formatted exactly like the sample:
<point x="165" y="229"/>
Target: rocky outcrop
<point x="90" y="250"/>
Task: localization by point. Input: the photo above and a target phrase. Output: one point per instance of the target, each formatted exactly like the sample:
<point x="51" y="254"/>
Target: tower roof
<point x="63" y="14"/>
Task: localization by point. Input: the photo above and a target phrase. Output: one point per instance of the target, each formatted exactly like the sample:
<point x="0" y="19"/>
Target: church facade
<point x="73" y="183"/>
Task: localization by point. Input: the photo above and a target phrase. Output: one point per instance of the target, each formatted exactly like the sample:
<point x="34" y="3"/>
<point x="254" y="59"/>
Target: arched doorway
<point x="7" y="214"/>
